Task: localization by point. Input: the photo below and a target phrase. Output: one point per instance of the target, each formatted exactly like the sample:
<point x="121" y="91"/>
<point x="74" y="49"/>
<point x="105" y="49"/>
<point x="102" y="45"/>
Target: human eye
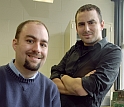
<point x="80" y="24"/>
<point x="30" y="41"/>
<point x="91" y="22"/>
<point x="43" y="45"/>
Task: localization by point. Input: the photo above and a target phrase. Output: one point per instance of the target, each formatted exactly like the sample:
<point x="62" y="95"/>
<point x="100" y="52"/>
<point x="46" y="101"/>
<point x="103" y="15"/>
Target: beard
<point x="28" y="66"/>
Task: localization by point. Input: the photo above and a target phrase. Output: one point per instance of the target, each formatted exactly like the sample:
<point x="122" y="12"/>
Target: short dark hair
<point x="20" y="27"/>
<point x="89" y="7"/>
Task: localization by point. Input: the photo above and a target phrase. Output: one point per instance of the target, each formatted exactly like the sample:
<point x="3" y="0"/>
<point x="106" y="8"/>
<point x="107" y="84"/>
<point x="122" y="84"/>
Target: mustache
<point x="87" y="33"/>
<point x="34" y="54"/>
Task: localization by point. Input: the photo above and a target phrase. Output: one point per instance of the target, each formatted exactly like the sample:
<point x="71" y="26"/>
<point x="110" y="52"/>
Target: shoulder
<point x="3" y="68"/>
<point x="112" y="51"/>
<point x="104" y="44"/>
<point x="3" y="74"/>
<point x="109" y="44"/>
<point x="76" y="46"/>
<point x="46" y="81"/>
<point x="111" y="47"/>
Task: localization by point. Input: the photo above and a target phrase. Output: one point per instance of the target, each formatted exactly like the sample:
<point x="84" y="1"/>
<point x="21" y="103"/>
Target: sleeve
<point x="106" y="73"/>
<point x="59" y="69"/>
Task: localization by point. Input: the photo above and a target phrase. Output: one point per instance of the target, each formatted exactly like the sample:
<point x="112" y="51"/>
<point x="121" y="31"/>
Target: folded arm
<point x="71" y="86"/>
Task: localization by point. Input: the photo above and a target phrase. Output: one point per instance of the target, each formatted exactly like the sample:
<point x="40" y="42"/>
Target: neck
<point x="25" y="72"/>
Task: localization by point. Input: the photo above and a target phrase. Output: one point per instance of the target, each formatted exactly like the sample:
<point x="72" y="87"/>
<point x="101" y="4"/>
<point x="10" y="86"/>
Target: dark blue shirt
<point x="104" y="57"/>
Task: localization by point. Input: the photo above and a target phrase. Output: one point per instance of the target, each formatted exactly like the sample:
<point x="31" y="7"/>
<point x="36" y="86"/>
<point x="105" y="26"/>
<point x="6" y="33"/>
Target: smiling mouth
<point x="87" y="34"/>
<point x="36" y="56"/>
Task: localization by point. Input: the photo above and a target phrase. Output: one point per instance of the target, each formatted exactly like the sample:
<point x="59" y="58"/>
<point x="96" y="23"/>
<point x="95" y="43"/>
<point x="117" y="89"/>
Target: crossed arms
<point x="71" y="86"/>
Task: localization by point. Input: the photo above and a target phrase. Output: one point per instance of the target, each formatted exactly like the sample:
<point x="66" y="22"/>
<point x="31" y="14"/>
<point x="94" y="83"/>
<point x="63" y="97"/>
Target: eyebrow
<point x="92" y="20"/>
<point x="31" y="36"/>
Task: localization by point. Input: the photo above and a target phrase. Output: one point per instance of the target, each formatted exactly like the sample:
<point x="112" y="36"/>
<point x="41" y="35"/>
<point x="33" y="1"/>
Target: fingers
<point x="92" y="72"/>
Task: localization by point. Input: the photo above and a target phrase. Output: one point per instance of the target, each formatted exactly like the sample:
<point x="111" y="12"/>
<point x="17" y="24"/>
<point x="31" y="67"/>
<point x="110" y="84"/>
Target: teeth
<point x="38" y="57"/>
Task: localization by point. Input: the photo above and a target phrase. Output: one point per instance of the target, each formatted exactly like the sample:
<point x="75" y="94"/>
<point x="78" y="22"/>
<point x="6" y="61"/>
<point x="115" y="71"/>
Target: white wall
<point x="56" y="16"/>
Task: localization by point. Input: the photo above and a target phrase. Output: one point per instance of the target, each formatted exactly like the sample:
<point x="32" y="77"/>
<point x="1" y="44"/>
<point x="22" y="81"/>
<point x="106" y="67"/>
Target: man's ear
<point x="14" y="43"/>
<point x="102" y="24"/>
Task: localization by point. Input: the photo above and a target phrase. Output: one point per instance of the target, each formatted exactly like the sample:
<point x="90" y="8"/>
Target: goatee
<point x="28" y="66"/>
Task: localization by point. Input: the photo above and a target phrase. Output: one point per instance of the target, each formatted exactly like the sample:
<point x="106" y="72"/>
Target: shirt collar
<point x="16" y="71"/>
<point x="101" y="43"/>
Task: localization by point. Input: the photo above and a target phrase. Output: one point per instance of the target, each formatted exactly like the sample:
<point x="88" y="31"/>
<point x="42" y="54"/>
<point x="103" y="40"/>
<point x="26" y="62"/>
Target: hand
<point x="73" y="85"/>
<point x="92" y="72"/>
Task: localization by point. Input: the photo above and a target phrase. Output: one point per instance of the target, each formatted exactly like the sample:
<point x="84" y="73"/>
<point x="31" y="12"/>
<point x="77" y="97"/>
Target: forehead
<point x="35" y="29"/>
<point x="87" y="16"/>
<point x="33" y="26"/>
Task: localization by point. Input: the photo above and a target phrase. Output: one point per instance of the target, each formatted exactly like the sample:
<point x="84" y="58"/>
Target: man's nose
<point x="37" y="47"/>
<point x="86" y="27"/>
